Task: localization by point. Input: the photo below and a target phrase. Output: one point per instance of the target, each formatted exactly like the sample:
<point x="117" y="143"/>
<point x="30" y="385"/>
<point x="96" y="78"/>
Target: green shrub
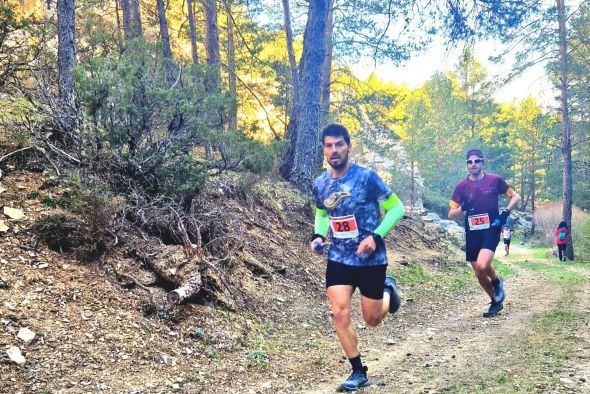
<point x="165" y="140"/>
<point x="182" y="177"/>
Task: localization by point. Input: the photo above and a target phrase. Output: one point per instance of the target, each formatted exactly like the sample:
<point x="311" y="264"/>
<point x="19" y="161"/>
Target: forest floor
<point x="92" y="334"/>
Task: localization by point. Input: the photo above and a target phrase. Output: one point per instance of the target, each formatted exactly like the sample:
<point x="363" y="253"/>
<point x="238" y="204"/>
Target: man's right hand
<point x="317" y="246"/>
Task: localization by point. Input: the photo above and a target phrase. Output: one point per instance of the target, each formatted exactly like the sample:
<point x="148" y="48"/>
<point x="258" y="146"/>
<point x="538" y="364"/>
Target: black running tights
<point x="561" y="250"/>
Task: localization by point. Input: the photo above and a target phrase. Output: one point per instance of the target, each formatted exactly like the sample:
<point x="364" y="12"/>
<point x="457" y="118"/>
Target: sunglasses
<point x="476" y="161"/>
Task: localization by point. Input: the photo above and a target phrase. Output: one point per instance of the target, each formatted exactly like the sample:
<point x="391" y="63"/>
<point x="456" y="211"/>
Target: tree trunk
<point x="533" y="182"/>
<point x="212" y="46"/>
<point x="66" y="61"/>
<point x="136" y="29"/>
<point x="533" y="190"/>
<point x="522" y="187"/>
<point x="290" y="134"/>
<point x="412" y="184"/>
<point x="118" y="16"/>
<point x="231" y="70"/>
<point x="127" y="31"/>
<point x="565" y="127"/>
<point x="165" y="42"/>
<point x="290" y="50"/>
<point x="307" y="153"/>
<point x="327" y="65"/>
<point x="192" y="31"/>
<point x="213" y="79"/>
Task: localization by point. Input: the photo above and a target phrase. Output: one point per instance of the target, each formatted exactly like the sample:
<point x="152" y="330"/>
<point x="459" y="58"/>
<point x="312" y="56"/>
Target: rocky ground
<point x="81" y="328"/>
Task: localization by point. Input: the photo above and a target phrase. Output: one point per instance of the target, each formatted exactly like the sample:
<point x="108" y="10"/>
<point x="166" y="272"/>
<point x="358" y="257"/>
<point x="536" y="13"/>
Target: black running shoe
<point x="395" y="298"/>
<point x="499" y="293"/>
<point x="495" y="307"/>
<point x="355" y="381"/>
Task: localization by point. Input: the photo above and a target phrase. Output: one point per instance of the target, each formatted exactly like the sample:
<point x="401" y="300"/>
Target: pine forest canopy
<point x="183" y="90"/>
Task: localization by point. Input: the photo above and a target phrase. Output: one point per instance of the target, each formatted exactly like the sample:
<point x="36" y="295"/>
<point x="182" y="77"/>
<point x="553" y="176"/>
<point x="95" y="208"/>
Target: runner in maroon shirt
<point x="477" y="196"/>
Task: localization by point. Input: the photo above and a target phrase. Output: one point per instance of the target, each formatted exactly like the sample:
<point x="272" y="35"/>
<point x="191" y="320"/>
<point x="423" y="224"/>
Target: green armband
<point x="322" y="222"/>
<point x="395" y="211"/>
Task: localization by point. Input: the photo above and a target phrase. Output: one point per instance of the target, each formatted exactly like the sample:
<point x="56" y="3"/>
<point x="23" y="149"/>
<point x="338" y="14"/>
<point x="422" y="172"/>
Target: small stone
<point x="168" y="359"/>
<point x="267" y="384"/>
<point x="14" y="213"/>
<point x="390" y="341"/>
<point x="566" y="381"/>
<point x="3" y="227"/>
<point x="25" y="335"/>
<point x="430" y="332"/>
<point x="16" y="356"/>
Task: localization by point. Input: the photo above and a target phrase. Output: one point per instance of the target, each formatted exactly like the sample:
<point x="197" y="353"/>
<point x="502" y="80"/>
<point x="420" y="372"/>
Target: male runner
<point x="477" y="196"/>
<point x="507" y="235"/>
<point x="348" y="198"/>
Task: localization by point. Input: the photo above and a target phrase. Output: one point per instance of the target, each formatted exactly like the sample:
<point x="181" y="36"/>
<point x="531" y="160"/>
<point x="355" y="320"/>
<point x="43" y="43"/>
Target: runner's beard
<point x="475" y="171"/>
<point x="340" y="163"/>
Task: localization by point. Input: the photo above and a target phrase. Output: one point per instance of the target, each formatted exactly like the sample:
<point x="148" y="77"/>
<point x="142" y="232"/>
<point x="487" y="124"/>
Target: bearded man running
<point x="348" y="200"/>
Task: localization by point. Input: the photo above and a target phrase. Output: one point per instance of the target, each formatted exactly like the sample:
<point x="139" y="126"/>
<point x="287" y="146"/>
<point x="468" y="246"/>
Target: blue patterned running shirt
<point x="352" y="203"/>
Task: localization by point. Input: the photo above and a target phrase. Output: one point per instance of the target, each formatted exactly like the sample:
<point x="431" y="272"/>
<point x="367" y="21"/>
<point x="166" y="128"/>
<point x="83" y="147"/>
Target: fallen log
<point x="187" y="290"/>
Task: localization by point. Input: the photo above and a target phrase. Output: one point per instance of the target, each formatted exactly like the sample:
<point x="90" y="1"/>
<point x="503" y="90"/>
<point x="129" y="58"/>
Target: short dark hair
<point x="474" y="152"/>
<point x="335" y="130"/>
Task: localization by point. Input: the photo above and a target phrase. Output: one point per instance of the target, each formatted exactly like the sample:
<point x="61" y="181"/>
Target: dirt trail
<point x="94" y="336"/>
<point x="438" y="345"/>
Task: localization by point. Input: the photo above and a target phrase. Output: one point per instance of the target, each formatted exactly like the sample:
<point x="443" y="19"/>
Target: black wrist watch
<point x="377" y="237"/>
<point x="313" y="237"/>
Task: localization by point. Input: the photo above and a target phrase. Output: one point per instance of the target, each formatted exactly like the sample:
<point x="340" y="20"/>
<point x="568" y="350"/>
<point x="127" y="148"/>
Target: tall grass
<point x="547" y="217"/>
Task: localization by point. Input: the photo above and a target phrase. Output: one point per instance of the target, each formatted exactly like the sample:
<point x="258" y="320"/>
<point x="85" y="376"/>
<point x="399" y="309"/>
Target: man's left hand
<point x="501" y="220"/>
<point x="367" y="246"/>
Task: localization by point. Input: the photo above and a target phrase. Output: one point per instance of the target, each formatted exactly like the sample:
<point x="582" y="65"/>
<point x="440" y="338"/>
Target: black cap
<point x="475" y="152"/>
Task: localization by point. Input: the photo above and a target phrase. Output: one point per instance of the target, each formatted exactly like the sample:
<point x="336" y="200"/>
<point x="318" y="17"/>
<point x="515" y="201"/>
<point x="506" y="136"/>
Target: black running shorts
<point x="506" y="241"/>
<point x="369" y="279"/>
<point x="478" y="240"/>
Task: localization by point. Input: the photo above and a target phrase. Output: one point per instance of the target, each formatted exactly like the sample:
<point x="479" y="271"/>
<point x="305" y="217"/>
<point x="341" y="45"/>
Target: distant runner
<point x="561" y="233"/>
<point x="477" y="196"/>
<point x="348" y="200"/>
<point x="506" y="234"/>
